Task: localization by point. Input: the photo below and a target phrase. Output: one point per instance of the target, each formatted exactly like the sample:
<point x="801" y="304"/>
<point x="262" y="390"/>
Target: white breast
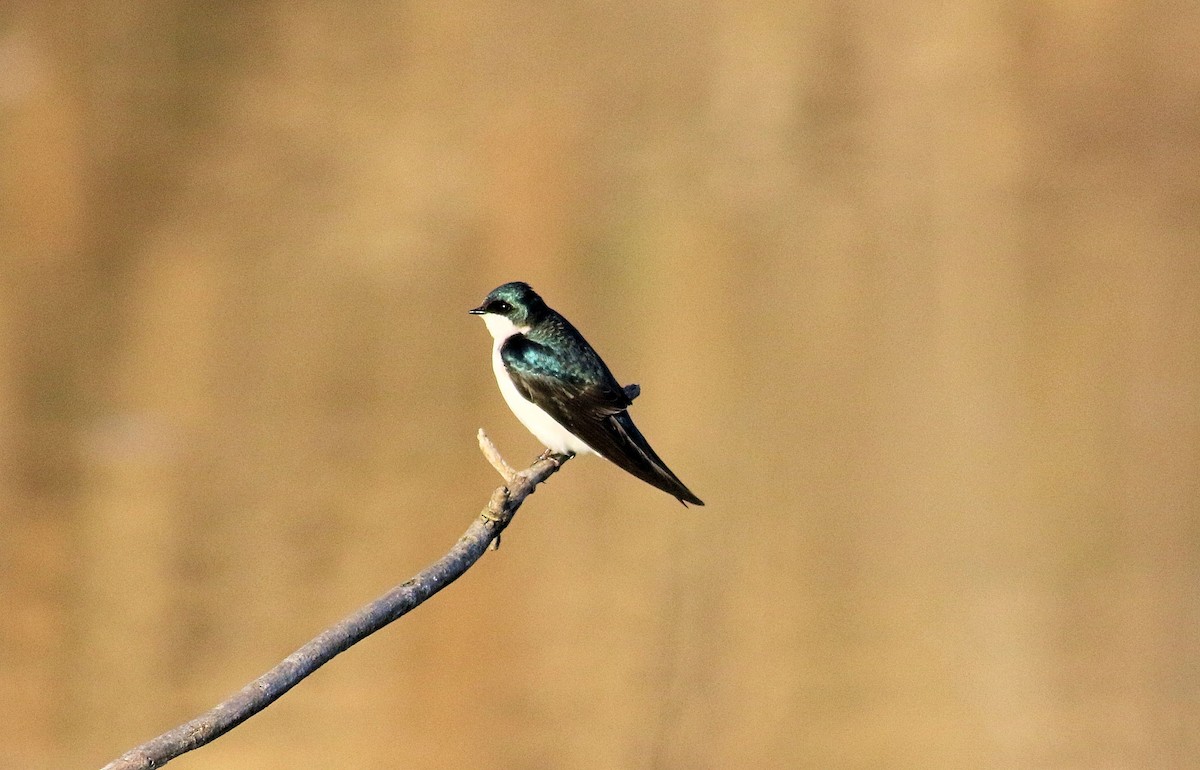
<point x="544" y="427"/>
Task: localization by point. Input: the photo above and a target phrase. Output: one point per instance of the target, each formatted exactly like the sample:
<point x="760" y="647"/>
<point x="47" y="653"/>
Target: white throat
<point x="502" y="328"/>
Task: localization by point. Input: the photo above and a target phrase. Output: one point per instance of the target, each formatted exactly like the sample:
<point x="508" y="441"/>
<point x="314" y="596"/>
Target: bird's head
<point x="510" y="309"/>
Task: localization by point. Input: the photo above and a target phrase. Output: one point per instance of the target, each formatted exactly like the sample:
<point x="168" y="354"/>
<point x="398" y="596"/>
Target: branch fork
<point x="518" y="484"/>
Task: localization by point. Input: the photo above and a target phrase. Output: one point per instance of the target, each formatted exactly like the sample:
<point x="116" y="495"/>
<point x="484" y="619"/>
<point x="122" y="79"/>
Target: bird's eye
<point x="500" y="306"/>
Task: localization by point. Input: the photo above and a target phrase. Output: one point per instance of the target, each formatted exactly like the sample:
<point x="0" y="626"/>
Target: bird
<point x="562" y="391"/>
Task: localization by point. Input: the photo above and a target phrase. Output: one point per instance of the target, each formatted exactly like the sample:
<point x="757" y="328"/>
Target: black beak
<point x="477" y="311"/>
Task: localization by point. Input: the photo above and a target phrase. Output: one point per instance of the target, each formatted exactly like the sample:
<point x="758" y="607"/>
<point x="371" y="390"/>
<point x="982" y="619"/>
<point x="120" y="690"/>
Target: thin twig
<point x="263" y="691"/>
<point x="506" y="471"/>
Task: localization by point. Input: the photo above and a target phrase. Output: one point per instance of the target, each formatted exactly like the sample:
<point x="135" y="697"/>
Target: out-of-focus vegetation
<point x="912" y="292"/>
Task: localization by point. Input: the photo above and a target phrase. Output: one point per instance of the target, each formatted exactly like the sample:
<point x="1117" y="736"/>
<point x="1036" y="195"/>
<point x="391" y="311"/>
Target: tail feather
<point x="642" y="461"/>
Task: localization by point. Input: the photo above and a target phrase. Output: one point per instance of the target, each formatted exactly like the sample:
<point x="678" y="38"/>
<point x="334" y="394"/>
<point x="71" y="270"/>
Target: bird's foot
<point x="555" y="457"/>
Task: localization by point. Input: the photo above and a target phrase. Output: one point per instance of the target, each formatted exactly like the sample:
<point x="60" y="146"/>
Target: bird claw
<point x="549" y="454"/>
<point x="552" y="456"/>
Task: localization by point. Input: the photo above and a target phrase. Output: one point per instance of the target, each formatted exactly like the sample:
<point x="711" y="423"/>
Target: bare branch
<point x="263" y="691"/>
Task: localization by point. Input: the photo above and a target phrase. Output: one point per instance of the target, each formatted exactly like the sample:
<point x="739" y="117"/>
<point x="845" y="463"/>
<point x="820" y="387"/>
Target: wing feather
<point x="584" y="397"/>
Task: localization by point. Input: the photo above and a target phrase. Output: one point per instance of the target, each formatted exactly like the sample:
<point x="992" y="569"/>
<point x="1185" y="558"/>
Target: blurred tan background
<point x="912" y="290"/>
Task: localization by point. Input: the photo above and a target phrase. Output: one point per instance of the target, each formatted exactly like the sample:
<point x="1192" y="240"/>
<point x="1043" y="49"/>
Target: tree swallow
<point x="560" y="389"/>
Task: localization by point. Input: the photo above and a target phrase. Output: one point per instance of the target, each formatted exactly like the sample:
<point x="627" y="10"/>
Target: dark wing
<point x="584" y="397"/>
<point x="577" y="392"/>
